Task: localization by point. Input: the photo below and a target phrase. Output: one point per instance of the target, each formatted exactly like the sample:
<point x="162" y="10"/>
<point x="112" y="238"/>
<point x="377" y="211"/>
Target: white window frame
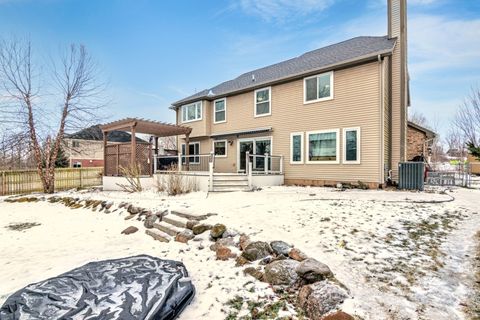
<point x="269" y="102"/>
<point x="302" y="147"/>
<point x="318" y="99"/>
<point x="196" y="118"/>
<point x="307" y="149"/>
<point x="344" y="138"/>
<point x="195" y="156"/>
<point x="226" y="148"/>
<point x="215" y="111"/>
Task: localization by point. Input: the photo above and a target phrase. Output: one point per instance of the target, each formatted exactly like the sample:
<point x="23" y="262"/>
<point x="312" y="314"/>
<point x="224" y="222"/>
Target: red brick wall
<point x="87" y="163"/>
<point x="415" y="142"/>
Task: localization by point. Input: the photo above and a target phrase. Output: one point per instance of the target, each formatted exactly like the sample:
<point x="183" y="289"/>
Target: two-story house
<point x="335" y="114"/>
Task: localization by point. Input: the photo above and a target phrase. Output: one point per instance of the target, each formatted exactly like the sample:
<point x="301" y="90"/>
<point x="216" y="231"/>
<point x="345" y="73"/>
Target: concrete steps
<point x="172" y="224"/>
<point x="167" y="228"/>
<point x="158" y="235"/>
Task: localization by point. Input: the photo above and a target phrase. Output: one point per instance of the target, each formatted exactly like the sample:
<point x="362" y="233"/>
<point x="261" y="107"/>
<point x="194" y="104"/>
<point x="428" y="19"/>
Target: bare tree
<point x="467" y="118"/>
<point x="455" y="142"/>
<point x="418" y="118"/>
<point x="73" y="79"/>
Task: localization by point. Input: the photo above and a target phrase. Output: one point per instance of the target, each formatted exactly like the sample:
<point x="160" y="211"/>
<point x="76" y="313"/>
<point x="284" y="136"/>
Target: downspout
<point x="382" y="119"/>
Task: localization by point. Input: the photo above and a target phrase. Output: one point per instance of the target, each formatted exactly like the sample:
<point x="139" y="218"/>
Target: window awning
<point x="240" y="132"/>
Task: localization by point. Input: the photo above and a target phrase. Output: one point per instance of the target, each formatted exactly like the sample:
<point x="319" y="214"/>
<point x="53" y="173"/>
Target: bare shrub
<point x="132" y="174"/>
<point x="173" y="183"/>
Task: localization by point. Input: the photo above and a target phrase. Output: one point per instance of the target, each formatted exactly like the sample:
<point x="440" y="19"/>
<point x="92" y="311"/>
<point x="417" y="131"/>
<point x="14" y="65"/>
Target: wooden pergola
<point x="134" y="126"/>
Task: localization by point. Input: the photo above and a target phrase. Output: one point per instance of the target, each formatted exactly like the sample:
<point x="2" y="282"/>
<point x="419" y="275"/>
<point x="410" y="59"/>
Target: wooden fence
<point x="26" y="181"/>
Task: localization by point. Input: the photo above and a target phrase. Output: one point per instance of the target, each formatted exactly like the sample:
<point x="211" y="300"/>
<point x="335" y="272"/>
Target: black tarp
<point x="140" y="287"/>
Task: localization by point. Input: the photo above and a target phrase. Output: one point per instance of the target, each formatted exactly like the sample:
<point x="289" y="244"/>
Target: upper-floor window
<point x="262" y="102"/>
<point x="192" y="112"/>
<point x="75" y="144"/>
<point x="220" y="112"/>
<point x="318" y="87"/>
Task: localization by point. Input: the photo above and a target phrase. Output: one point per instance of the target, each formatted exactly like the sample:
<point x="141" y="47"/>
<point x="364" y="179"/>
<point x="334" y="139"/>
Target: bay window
<point x="351" y="145"/>
<point x="322" y="146"/>
<point x="220" y="112"/>
<point x="192" y="112"/>
<point x="296" y="148"/>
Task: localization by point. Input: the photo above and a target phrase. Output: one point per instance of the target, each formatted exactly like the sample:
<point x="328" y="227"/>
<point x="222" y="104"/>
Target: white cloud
<point x="437" y="42"/>
<point x="282" y="10"/>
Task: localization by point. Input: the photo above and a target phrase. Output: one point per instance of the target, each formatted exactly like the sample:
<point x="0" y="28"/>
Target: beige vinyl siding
<point x="355" y="104"/>
<point x="200" y="128"/>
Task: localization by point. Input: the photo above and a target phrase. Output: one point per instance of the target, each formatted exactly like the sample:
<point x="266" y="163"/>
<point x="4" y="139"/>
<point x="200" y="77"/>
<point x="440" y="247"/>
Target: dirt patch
<point x="22" y="226"/>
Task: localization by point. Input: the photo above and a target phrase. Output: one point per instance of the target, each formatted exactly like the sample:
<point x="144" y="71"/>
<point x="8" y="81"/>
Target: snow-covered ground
<point x="403" y="255"/>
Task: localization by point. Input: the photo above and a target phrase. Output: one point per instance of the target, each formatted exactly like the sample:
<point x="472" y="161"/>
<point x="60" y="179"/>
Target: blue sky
<point x="155" y="52"/>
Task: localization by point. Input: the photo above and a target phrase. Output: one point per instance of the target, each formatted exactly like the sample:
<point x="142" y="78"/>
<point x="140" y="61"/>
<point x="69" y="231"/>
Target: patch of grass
<point x="22" y="226"/>
<point x="473" y="307"/>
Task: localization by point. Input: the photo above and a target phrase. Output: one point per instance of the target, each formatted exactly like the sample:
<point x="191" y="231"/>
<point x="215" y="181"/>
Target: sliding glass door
<point x="256" y="146"/>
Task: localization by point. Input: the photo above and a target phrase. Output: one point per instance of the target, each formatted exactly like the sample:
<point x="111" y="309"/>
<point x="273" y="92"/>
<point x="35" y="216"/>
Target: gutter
<point x="298" y="75"/>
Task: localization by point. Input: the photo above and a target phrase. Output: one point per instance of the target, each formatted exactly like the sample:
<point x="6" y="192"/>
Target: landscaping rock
<point x="109" y="204"/>
<point x="244" y="241"/>
<point x="241" y="261"/>
<point x="257" y="250"/>
<point x="217" y="230"/>
<point x="123" y="205"/>
<point x="130" y="216"/>
<point x="229" y="233"/>
<point x="133" y="210"/>
<point x="224" y="253"/>
<point x="191" y="224"/>
<point x="280" y="247"/>
<point x="130" y="230"/>
<point x="311" y="270"/>
<point x="184" y="236"/>
<point x="161" y="214"/>
<point x="339" y="315"/>
<point x="281" y="272"/>
<point x="296" y="254"/>
<point x="254" y="272"/>
<point x="227" y="242"/>
<point x="201" y="228"/>
<point x="319" y="298"/>
<point x="150" y="220"/>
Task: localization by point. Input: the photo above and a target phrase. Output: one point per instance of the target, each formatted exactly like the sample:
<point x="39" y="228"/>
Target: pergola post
<point x="133" y="159"/>
<point x="105" y="139"/>
<point x="187" y="151"/>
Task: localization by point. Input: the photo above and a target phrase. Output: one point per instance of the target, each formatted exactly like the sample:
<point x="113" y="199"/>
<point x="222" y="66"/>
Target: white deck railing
<point x="255" y="164"/>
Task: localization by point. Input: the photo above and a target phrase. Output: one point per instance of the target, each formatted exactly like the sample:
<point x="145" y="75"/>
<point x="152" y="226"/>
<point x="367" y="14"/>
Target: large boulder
<point x="319" y="298"/>
<point x="281" y="272"/>
<point x="257" y="250"/>
<point x="311" y="270"/>
<point x="218" y="230"/>
<point x="280" y="247"/>
<point x="338" y="315"/>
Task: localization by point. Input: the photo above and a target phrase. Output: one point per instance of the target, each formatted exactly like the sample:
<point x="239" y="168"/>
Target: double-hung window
<point x="192" y="112"/>
<point x="220" y="112"/>
<point x="296" y="148"/>
<point x="323" y="146"/>
<point x="318" y="88"/>
<point x="262" y="102"/>
<point x="193" y="149"/>
<point x="220" y="148"/>
<point x="351" y="145"/>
